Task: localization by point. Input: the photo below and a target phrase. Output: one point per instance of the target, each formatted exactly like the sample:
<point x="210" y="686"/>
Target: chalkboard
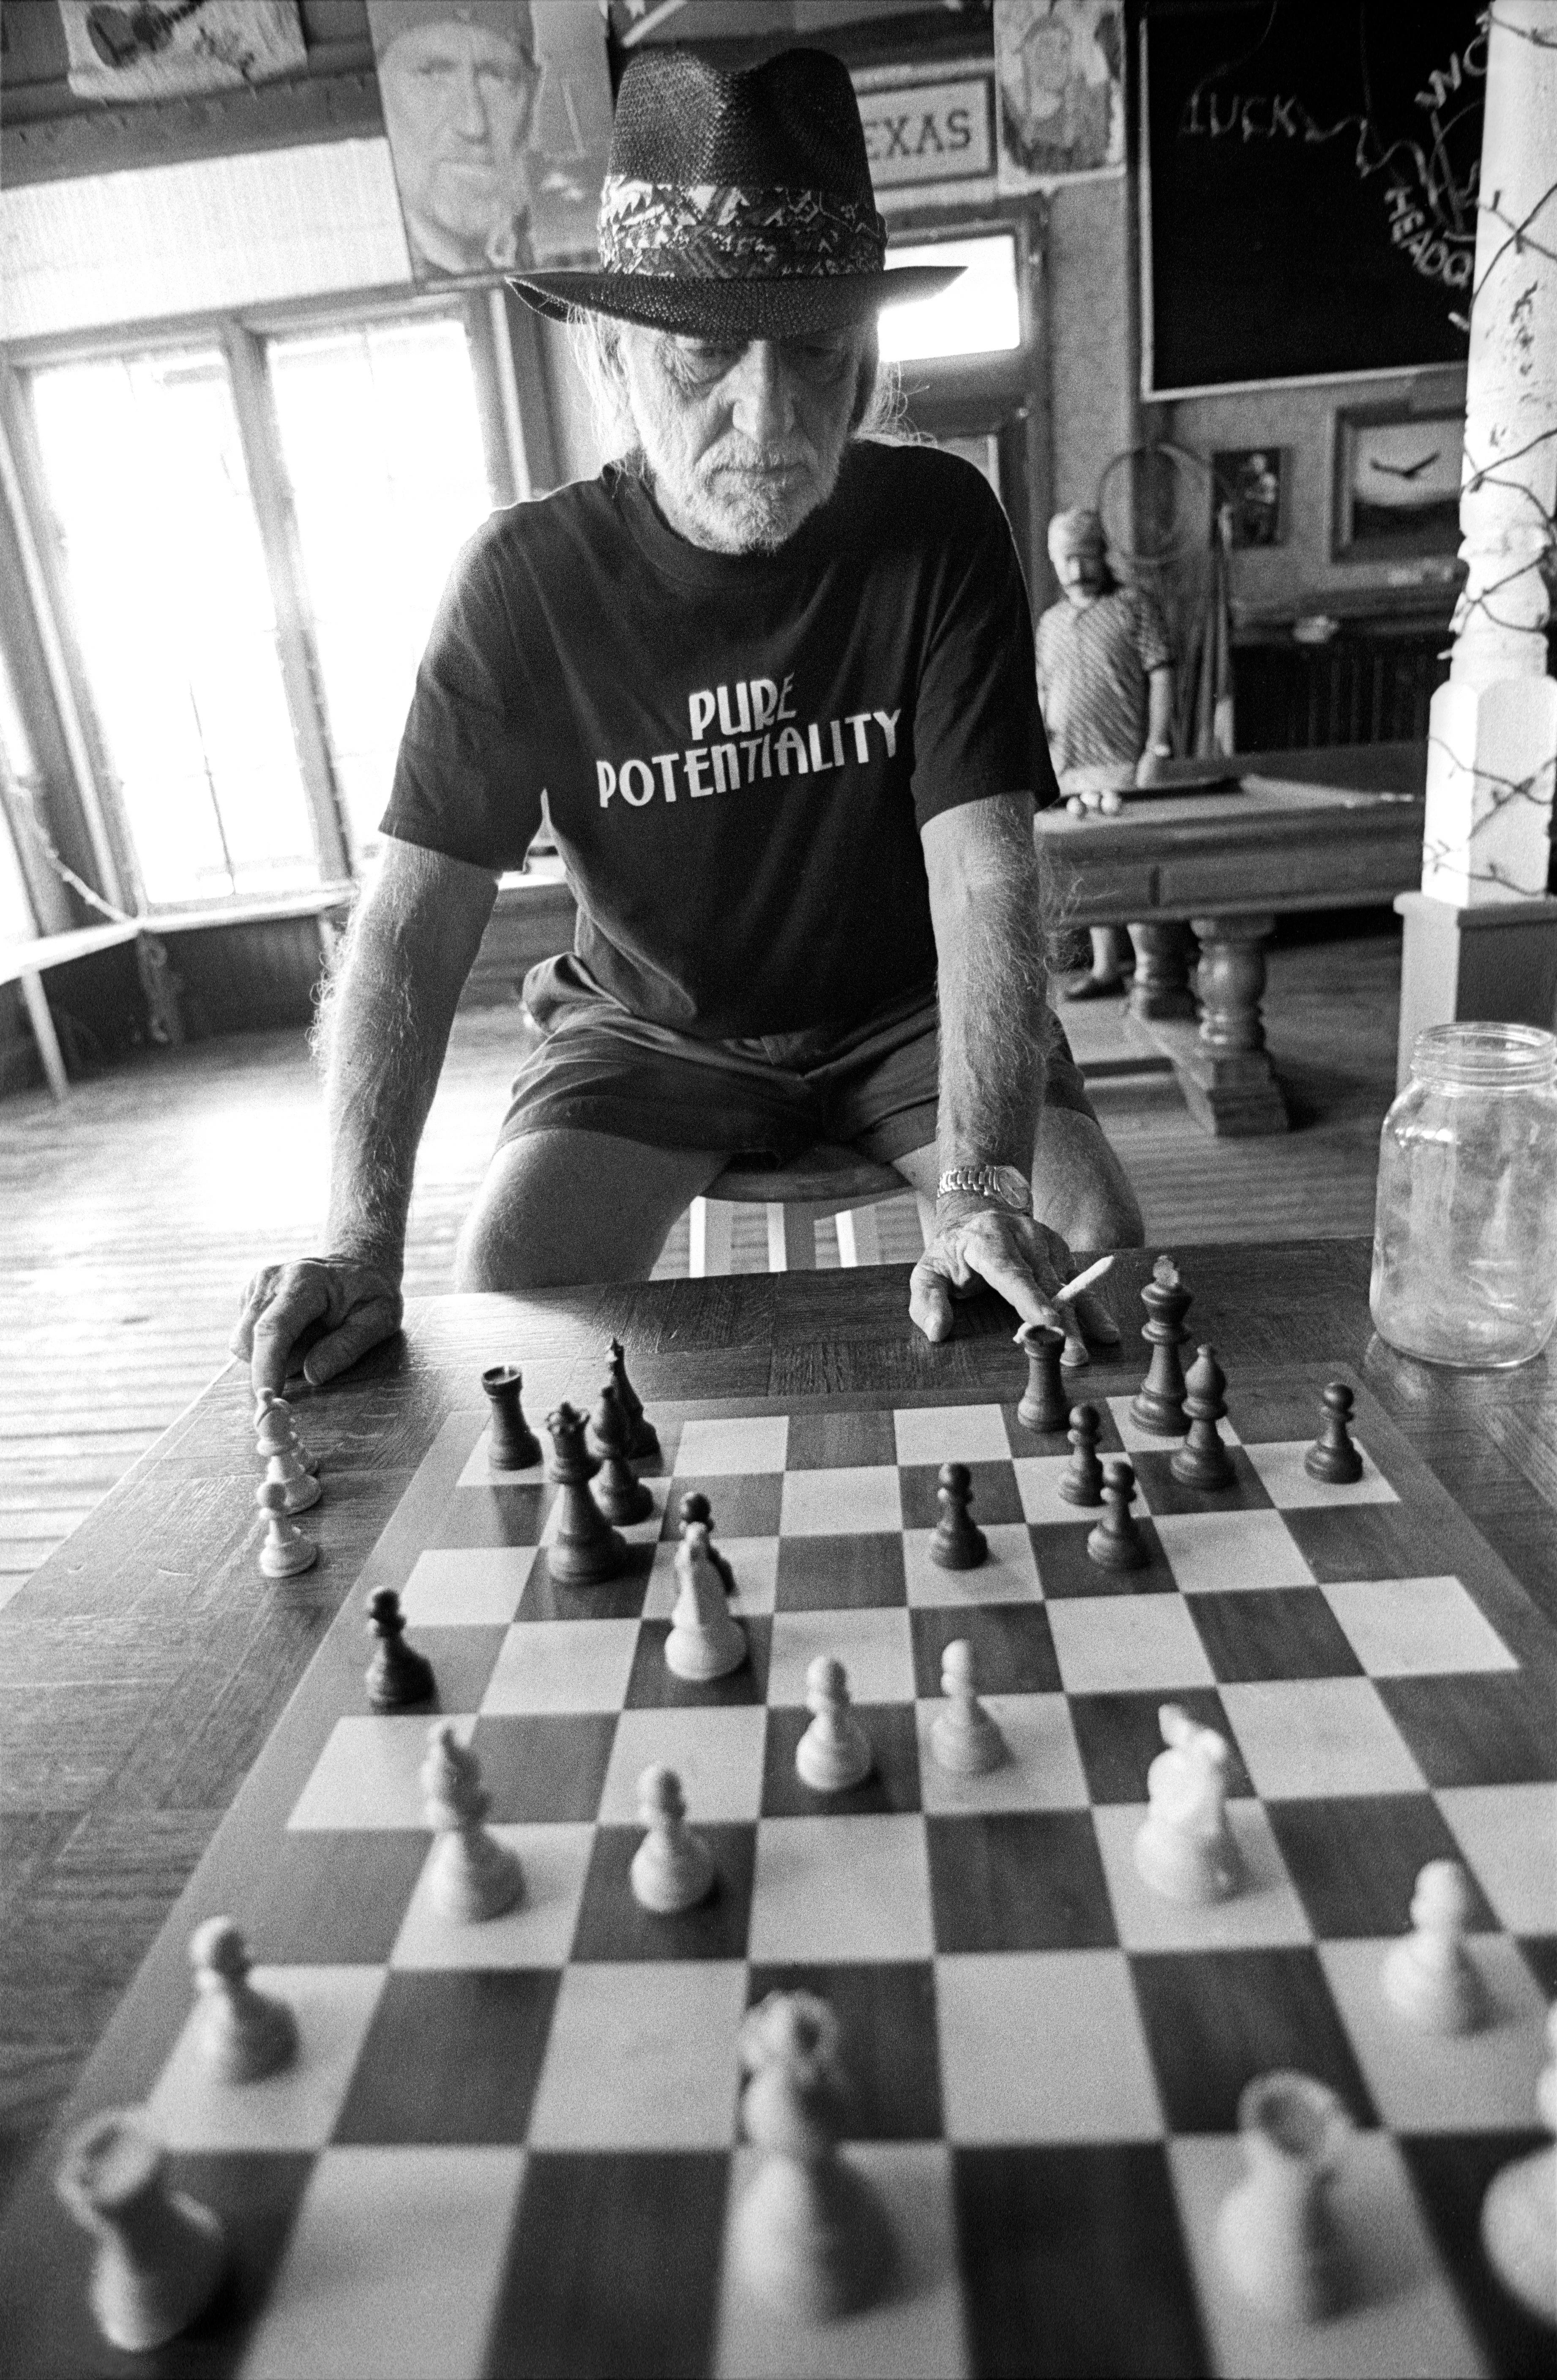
<point x="1310" y="171"/>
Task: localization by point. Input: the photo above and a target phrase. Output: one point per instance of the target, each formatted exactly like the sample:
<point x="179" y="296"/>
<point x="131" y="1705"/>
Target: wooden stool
<point x="820" y="1181"/>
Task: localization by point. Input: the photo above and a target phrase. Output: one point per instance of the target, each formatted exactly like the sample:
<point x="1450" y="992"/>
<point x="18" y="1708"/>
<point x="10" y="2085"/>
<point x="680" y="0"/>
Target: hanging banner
<point x="1059" y="77"/>
<point x="163" y="49"/>
<point x="498" y="114"/>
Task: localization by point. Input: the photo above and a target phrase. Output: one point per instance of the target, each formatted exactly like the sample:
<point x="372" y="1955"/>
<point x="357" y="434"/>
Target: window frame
<point x="1004" y="393"/>
<point x="513" y="407"/>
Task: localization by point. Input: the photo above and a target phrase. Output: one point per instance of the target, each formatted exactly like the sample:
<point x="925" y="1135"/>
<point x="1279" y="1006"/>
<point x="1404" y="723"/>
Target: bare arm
<point x="382" y="1035"/>
<point x="1158" y="723"/>
<point x="987" y="905"/>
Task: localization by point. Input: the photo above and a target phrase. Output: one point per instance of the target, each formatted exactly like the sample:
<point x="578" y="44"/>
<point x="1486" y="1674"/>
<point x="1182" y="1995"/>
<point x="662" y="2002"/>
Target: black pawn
<point x="585" y="1548"/>
<point x="958" y="1543"/>
<point x="1081" y="1482"/>
<point x="1202" y="1460"/>
<point x="1116" y="1543"/>
<point x="398" y="1677"/>
<point x="621" y="1495"/>
<point x="1045" y="1406"/>
<point x="644" y="1445"/>
<point x="1159" y="1404"/>
<point x="1332" y="1457"/>
<point x="694" y="1507"/>
<point x="513" y="1445"/>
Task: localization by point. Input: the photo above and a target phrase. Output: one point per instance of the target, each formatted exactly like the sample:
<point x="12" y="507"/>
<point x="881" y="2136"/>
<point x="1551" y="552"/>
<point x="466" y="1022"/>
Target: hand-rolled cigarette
<point x="1083" y="1280"/>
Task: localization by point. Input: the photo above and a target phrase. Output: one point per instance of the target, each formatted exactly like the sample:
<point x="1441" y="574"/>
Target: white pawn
<point x="964" y="1739"/>
<point x="1185" y="1849"/>
<point x="834" y="1753"/>
<point x="285" y="1550"/>
<point x="1279" y="2243"/>
<point x="268" y="1401"/>
<point x="1519" y="2212"/>
<point x="672" y="1868"/>
<point x="810" y="2237"/>
<point x="1429" y="1976"/>
<point x="274" y="1440"/>
<point x="704" y="1641"/>
<point x="470" y="1876"/>
<point x="244" y="2034"/>
<point x="160" y="2255"/>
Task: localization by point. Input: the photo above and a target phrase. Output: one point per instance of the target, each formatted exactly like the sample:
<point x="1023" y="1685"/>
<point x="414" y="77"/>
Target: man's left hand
<point x="988" y="1247"/>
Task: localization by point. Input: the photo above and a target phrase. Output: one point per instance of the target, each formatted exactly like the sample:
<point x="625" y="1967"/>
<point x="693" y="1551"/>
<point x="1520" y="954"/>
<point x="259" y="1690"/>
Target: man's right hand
<point x="343" y="1306"/>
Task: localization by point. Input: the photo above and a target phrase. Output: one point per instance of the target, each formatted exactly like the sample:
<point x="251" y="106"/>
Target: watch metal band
<point x="1006" y="1184"/>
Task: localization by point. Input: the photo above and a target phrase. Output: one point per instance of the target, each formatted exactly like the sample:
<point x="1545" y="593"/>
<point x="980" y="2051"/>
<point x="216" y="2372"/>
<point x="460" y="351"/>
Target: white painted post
<point x="859" y="1236"/>
<point x="1492" y="733"/>
<point x="710" y="1238"/>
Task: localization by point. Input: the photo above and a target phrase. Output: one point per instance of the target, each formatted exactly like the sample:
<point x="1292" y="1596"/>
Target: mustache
<point x="737" y="455"/>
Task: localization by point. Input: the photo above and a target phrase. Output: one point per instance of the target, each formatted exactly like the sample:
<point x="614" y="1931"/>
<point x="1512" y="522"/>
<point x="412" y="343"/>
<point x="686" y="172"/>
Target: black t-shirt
<point x="736" y="752"/>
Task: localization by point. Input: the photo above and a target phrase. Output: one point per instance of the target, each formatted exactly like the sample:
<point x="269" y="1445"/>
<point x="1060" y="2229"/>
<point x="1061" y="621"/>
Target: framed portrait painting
<point x="1250" y="483"/>
<point x="498" y="114"/>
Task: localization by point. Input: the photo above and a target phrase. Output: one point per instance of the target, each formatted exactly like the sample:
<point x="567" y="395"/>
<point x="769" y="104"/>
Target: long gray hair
<point x="879" y="408"/>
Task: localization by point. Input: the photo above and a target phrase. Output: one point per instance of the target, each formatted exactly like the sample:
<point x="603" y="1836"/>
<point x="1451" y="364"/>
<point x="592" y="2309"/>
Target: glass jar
<point x="1465" y="1238"/>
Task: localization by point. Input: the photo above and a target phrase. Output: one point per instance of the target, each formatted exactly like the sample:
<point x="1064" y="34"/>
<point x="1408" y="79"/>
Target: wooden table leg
<point x="1227" y="1076"/>
<point x="1164" y="955"/>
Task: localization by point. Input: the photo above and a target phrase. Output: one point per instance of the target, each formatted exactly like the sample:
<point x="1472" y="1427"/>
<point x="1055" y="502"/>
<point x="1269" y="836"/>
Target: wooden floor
<point x="130" y="1219"/>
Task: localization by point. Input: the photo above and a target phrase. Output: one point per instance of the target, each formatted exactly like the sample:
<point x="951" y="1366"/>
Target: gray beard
<point x="756" y="524"/>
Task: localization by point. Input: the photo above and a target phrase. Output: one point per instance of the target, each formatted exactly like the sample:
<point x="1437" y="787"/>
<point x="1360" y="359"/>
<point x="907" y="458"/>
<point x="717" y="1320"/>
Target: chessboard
<point x="514" y="2147"/>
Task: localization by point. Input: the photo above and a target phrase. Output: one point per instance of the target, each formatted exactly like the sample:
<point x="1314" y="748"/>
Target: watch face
<point x="1012" y="1188"/>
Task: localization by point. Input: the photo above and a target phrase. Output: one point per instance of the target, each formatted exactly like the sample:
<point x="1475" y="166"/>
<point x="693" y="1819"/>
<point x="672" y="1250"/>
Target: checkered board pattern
<point x="514" y="2147"/>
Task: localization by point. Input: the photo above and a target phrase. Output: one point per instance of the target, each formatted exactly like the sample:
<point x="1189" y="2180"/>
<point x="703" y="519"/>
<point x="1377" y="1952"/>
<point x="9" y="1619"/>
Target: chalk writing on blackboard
<point x="1429" y="183"/>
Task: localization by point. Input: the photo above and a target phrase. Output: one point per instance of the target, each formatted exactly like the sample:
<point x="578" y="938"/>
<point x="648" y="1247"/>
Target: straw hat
<point x="737" y="205"/>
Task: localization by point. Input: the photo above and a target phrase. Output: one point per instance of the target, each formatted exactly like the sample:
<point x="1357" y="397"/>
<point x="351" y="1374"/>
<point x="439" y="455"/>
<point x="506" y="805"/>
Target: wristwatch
<point x="1006" y="1185"/>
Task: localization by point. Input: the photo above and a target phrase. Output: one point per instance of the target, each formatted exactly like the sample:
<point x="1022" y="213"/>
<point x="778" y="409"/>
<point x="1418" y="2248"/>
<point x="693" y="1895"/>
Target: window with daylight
<point x="979" y="315"/>
<point x="145" y="479"/>
<point x="380" y="440"/>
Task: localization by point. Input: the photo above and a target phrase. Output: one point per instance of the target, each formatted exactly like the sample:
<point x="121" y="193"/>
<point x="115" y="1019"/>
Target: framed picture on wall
<point x="1397" y="484"/>
<point x="1250" y="483"/>
<point x="498" y="114"/>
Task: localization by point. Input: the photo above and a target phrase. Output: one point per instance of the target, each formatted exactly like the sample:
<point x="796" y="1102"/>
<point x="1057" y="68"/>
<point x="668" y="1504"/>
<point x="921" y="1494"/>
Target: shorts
<point x="870" y="1087"/>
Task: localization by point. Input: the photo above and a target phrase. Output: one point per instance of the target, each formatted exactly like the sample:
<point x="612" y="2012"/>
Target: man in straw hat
<point x="770" y="682"/>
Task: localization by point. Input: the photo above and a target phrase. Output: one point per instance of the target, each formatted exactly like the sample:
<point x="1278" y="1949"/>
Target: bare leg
<point x="1111" y="959"/>
<point x="1079" y="1187"/>
<point x="558" y="1207"/>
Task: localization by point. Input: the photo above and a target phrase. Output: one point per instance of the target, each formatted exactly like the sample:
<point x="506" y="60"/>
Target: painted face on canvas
<point x="458" y="103"/>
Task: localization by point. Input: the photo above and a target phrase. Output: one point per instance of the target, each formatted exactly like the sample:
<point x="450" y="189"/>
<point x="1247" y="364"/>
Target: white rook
<point x="1493" y="748"/>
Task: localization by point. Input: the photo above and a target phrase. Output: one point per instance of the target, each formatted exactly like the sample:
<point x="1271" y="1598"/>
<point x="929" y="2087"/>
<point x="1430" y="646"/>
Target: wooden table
<point x="1325" y="829"/>
<point x="142" y="1668"/>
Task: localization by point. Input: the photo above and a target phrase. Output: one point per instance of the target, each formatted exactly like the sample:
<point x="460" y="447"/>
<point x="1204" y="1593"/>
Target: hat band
<point x="714" y="231"/>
